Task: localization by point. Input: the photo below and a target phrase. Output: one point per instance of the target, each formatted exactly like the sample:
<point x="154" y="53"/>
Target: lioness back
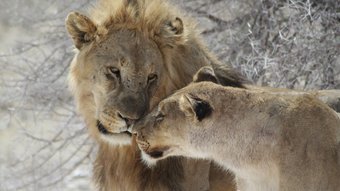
<point x="270" y="140"/>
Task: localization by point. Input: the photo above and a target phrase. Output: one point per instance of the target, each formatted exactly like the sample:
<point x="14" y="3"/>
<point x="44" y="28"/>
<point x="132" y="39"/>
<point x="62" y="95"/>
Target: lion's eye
<point x="160" y="117"/>
<point x="114" y="71"/>
<point x="152" y="78"/>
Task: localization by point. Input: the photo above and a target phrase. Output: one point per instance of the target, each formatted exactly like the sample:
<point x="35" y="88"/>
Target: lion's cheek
<point x="112" y="125"/>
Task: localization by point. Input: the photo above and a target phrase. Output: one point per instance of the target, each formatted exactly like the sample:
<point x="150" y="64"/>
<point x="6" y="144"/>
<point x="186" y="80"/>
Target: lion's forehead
<point x="129" y="41"/>
<point x="135" y="54"/>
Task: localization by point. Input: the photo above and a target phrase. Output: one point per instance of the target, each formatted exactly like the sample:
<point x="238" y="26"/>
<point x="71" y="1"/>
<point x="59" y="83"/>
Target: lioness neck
<point x="240" y="141"/>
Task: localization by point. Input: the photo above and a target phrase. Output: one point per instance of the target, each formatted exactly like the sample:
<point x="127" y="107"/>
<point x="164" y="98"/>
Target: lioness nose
<point x="127" y="120"/>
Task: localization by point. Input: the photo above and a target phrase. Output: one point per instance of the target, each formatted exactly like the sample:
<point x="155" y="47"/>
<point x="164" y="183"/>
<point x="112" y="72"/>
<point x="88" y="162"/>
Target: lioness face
<point x="125" y="75"/>
<point x="170" y="128"/>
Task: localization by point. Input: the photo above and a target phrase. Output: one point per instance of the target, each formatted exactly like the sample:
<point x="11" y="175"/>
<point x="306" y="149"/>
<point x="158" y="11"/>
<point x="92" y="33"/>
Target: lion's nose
<point x="127" y="120"/>
<point x="132" y="107"/>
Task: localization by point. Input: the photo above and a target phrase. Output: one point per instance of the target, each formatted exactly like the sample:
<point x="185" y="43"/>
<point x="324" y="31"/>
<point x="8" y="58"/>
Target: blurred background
<point x="43" y="142"/>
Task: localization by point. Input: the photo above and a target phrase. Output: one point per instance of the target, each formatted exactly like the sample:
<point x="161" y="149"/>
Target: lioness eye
<point x="152" y="78"/>
<point x="114" y="72"/>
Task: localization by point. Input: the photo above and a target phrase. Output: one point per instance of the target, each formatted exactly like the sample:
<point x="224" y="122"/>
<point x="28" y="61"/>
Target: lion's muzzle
<point x="102" y="129"/>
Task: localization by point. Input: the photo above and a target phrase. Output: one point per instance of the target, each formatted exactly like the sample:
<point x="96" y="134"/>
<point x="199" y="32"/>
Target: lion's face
<point x="120" y="71"/>
<point x="126" y="70"/>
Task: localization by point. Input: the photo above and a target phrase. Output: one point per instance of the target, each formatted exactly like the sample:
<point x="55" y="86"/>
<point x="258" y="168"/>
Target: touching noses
<point x="138" y="127"/>
<point x="129" y="121"/>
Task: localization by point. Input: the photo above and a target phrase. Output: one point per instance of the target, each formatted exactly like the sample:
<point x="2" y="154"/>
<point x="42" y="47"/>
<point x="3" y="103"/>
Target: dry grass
<point x="280" y="43"/>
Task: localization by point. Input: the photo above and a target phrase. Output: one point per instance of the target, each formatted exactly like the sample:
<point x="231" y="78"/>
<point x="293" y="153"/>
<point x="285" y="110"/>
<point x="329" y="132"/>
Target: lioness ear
<point x="81" y="29"/>
<point x="193" y="106"/>
<point x="206" y="73"/>
<point x="172" y="32"/>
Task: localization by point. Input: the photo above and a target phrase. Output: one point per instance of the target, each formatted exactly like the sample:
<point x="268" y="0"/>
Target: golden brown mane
<point x="146" y="16"/>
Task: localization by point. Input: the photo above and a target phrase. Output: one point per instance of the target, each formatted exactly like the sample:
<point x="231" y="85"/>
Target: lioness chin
<point x="270" y="141"/>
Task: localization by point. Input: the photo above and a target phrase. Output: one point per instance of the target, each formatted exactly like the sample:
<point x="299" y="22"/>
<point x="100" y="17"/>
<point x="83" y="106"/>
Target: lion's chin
<point x="122" y="138"/>
<point x="117" y="138"/>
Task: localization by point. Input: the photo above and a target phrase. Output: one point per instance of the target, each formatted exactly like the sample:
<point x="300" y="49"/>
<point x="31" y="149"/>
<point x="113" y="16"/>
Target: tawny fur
<point x="158" y="39"/>
<point x="272" y="141"/>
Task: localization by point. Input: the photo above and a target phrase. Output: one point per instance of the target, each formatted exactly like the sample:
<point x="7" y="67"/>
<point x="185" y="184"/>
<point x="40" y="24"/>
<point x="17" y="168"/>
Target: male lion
<point x="271" y="141"/>
<point x="130" y="55"/>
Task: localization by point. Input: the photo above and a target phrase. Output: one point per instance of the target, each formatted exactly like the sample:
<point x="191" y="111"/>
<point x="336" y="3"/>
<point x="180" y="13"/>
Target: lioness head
<point x="169" y="129"/>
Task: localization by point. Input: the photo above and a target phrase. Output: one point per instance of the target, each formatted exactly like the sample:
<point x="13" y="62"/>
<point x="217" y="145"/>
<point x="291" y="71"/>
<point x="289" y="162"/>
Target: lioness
<point x="271" y="141"/>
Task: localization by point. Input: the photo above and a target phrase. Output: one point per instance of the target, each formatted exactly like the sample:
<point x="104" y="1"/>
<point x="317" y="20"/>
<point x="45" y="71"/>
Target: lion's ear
<point x="172" y="32"/>
<point x="81" y="29"/>
<point x="194" y="106"/>
<point x="206" y="73"/>
<point x="175" y="27"/>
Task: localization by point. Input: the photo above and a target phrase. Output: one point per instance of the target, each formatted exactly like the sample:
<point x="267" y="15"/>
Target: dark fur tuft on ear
<point x="202" y="108"/>
<point x="176" y="26"/>
<point x="195" y="107"/>
<point x="172" y="33"/>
